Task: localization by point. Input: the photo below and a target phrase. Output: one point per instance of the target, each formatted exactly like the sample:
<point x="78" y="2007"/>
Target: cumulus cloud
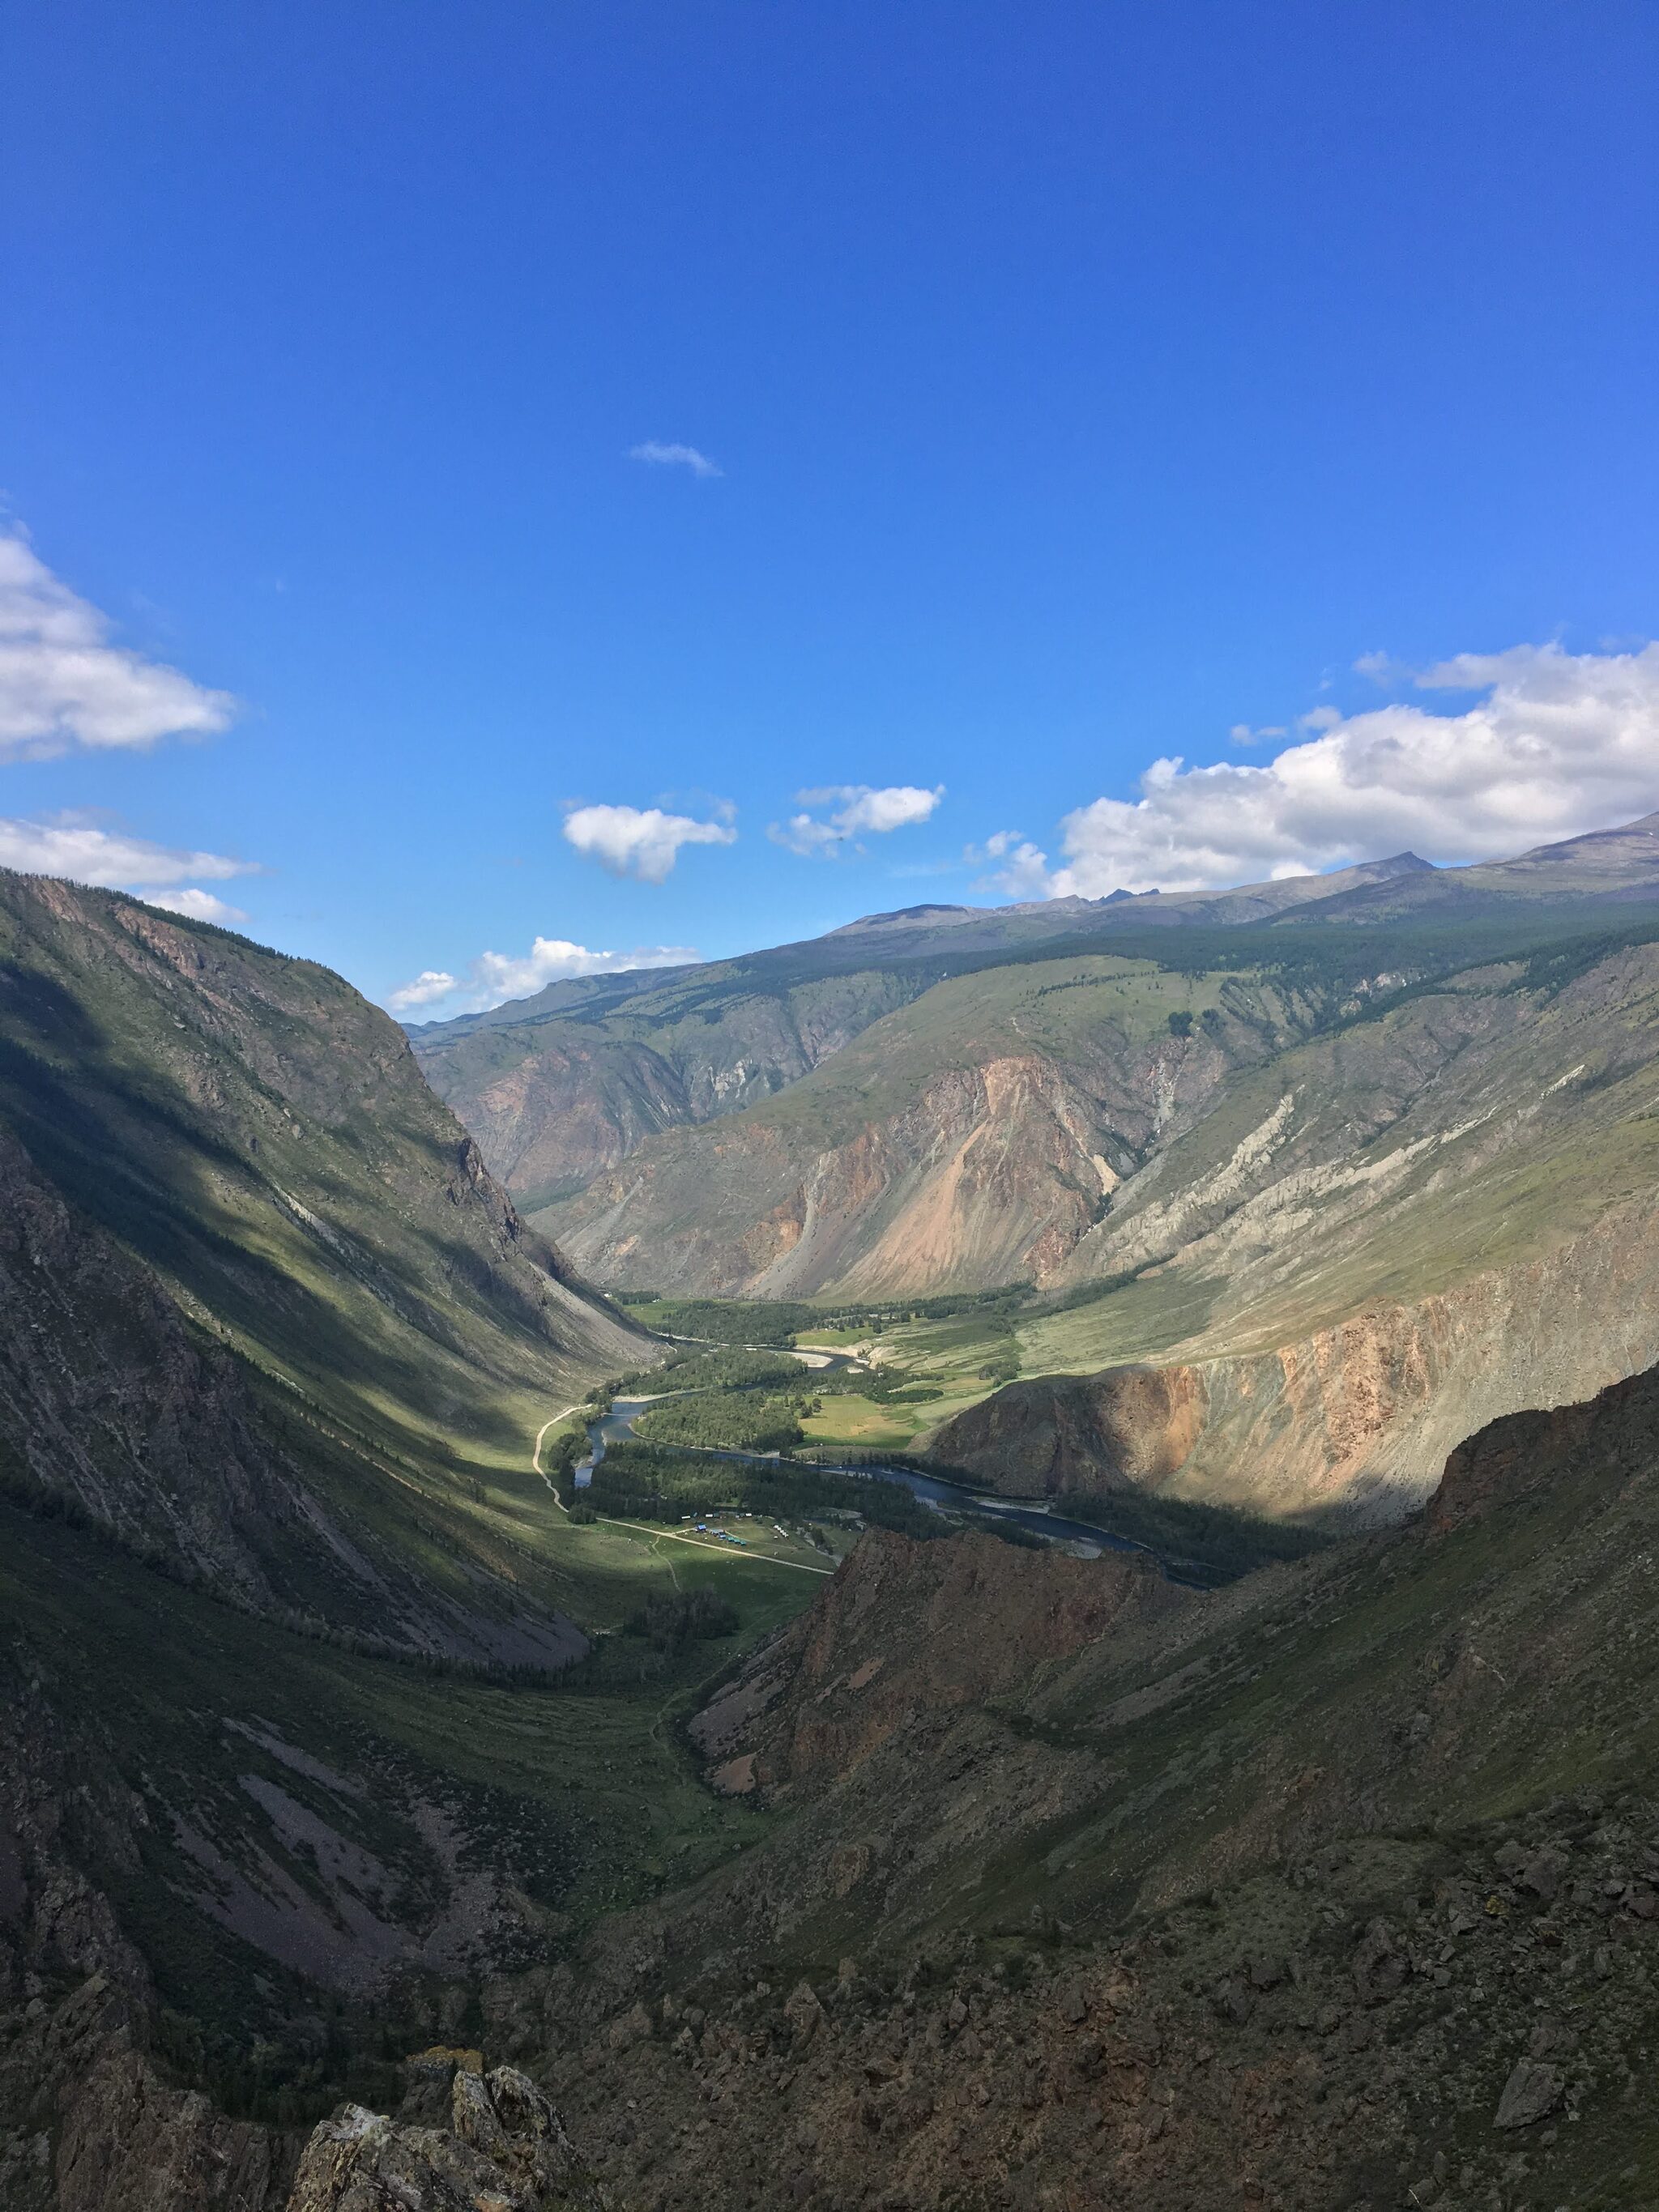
<point x="432" y="983"/>
<point x="855" y="810"/>
<point x="199" y="905"/>
<point x="658" y="455"/>
<point x="1552" y="745"/>
<point x="1020" y="867"/>
<point x="78" y="846"/>
<point x="640" y="842"/>
<point x="63" y="685"/>
<point x="494" y="977"/>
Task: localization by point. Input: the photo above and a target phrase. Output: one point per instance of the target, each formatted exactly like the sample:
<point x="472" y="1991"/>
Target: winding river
<point x="942" y="1497"/>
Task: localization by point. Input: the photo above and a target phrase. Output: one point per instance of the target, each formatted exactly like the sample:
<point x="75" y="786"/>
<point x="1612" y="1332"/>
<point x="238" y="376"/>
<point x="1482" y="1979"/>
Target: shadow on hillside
<point x="129" y="1150"/>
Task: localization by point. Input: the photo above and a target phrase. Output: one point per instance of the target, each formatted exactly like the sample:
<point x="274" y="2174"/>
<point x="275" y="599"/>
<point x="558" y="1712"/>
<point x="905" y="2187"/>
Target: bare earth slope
<point x="558" y="1087"/>
<point x="1430" y="1219"/>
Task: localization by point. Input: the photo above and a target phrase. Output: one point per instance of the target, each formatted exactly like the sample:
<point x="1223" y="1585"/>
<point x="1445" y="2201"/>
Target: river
<point x="942" y="1497"/>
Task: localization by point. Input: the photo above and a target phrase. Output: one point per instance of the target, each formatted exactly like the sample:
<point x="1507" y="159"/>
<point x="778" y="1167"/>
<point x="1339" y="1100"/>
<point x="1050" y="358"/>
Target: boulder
<point x="1533" y="2089"/>
<point x="505" y="2148"/>
<point x="803" y="2012"/>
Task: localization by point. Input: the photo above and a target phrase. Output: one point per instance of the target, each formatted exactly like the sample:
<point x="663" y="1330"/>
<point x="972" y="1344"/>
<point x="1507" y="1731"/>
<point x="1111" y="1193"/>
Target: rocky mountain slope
<point x="557" y="1087"/>
<point x="1338" y="1888"/>
<point x="1007" y="1121"/>
<point x="261" y="1138"/>
<point x="560" y="1086"/>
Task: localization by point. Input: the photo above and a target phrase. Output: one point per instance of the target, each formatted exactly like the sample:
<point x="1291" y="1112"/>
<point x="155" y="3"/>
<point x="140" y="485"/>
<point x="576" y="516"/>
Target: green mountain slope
<point x="257" y="1138"/>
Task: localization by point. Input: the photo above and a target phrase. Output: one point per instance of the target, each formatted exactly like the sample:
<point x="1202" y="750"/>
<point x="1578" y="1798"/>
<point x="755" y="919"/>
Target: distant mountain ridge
<point x="1029" y="921"/>
<point x="595" y="1065"/>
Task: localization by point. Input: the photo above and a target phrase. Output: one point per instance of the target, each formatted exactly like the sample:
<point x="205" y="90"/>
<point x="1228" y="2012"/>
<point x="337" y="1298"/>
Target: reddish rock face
<point x="1129" y="1428"/>
<point x="1350" y="1424"/>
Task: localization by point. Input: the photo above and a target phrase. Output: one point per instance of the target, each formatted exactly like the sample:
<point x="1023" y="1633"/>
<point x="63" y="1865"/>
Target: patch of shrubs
<point x="676" y="1617"/>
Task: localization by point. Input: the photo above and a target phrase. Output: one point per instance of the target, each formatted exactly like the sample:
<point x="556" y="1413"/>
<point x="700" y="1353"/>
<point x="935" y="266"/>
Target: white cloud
<point x="74" y="845"/>
<point x="1555" y="744"/>
<point x="856" y="810"/>
<point x="431" y="983"/>
<point x="494" y="977"/>
<point x="199" y="905"/>
<point x="64" y="684"/>
<point x="640" y="842"/>
<point x="673" y="457"/>
<point x="1021" y="869"/>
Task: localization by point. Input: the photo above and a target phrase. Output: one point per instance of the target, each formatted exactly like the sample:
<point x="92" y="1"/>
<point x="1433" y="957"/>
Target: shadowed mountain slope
<point x="287" y="1615"/>
<point x="259" y="1139"/>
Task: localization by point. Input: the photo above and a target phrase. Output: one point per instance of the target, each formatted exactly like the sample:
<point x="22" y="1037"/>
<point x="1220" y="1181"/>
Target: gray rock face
<point x="504" y="2148"/>
<point x="1533" y="2089"/>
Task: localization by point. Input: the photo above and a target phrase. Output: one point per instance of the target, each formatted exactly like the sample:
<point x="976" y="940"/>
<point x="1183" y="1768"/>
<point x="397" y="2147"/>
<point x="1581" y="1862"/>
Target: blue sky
<point x="1089" y="386"/>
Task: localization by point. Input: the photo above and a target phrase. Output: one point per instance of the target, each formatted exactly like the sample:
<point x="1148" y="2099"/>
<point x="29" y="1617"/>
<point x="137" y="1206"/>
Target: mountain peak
<point x="899" y="916"/>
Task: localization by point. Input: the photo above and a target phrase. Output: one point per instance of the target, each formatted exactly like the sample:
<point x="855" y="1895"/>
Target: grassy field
<point x="1135" y="1320"/>
<point x="943" y="1354"/>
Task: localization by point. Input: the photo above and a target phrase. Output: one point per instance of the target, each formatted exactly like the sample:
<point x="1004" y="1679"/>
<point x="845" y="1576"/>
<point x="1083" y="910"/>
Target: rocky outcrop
<point x="89" y="2121"/>
<point x="1301" y="2040"/>
<point x="504" y="2150"/>
<point x="1617" y="1430"/>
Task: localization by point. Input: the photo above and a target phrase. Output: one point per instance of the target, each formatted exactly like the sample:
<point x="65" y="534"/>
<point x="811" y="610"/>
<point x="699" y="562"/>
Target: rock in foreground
<point x="505" y="2148"/>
